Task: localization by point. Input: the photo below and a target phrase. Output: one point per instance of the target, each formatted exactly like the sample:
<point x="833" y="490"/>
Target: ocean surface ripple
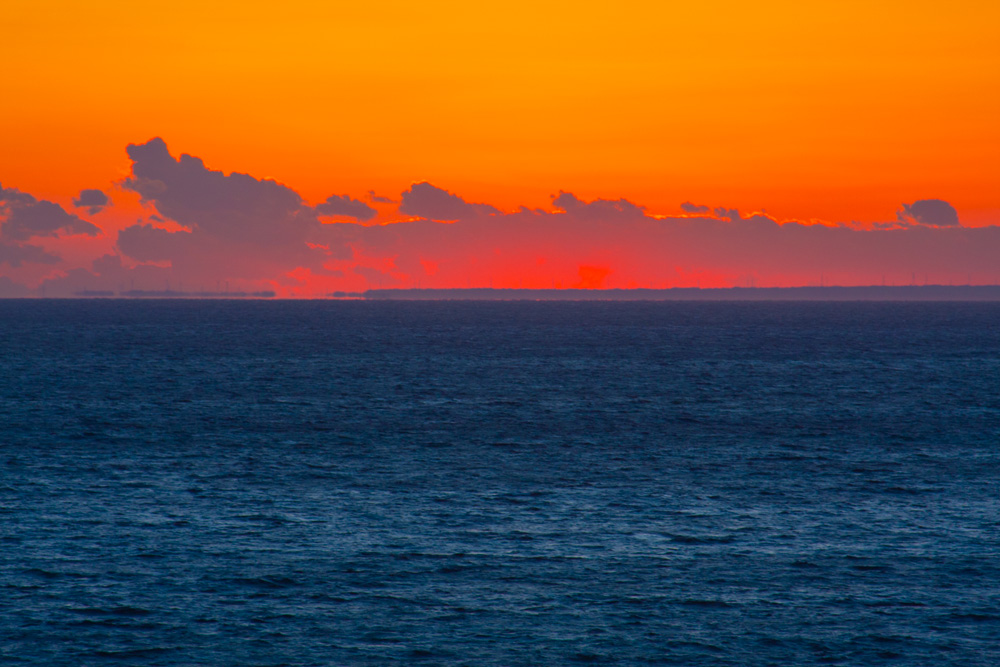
<point x="499" y="484"/>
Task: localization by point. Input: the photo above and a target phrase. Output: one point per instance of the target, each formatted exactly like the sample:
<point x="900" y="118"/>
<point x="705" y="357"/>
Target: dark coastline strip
<point x="829" y="293"/>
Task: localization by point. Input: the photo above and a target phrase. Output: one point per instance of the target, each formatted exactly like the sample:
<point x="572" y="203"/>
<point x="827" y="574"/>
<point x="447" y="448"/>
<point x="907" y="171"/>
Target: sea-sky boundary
<point x="809" y="293"/>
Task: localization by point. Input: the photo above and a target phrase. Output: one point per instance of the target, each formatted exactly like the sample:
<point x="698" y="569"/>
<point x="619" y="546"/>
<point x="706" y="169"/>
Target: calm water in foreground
<point x="351" y="483"/>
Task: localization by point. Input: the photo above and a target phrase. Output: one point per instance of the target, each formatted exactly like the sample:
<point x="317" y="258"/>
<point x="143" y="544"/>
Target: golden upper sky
<point x="820" y="110"/>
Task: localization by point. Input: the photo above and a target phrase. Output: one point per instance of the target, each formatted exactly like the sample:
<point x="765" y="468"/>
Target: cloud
<point x="562" y="249"/>
<point x="345" y="206"/>
<point x="92" y="200"/>
<point x="108" y="273"/>
<point x="378" y="199"/>
<point x="688" y="207"/>
<point x="730" y="214"/>
<point x="935" y="212"/>
<point x="27" y="217"/>
<point x="427" y="201"/>
<point x="24" y="217"/>
<point x="146" y="243"/>
<point x="598" y="209"/>
<point x="15" y="254"/>
<point x="259" y="234"/>
<point x="238" y="226"/>
<point x="12" y="197"/>
<point x="44" y="218"/>
<point x="10" y="289"/>
<point x="234" y="206"/>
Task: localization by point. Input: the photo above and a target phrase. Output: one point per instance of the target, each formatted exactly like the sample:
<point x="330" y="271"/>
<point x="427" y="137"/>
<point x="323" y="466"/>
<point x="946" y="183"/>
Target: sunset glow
<point x="818" y="122"/>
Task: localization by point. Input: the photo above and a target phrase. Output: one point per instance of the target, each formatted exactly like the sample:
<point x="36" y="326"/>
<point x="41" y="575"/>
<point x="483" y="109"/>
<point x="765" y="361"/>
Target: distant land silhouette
<point x="832" y="293"/>
<point x="174" y="294"/>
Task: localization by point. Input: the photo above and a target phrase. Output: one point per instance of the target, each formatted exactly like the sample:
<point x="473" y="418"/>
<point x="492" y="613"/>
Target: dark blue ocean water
<point x="357" y="483"/>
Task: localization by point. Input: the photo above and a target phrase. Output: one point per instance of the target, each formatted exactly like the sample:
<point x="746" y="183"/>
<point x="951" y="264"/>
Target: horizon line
<point x="933" y="292"/>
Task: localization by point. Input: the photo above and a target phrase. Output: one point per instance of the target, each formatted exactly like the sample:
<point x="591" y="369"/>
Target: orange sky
<point x="832" y="111"/>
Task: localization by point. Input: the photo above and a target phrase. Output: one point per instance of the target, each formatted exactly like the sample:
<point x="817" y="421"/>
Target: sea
<point x="340" y="483"/>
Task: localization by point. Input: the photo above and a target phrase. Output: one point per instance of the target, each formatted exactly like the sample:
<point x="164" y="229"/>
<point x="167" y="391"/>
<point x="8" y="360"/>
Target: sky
<point x="308" y="147"/>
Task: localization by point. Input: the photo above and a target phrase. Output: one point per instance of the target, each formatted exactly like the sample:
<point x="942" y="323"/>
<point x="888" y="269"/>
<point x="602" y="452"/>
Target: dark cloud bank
<point x="934" y="212"/>
<point x="92" y="200"/>
<point x="426" y="201"/>
<point x="259" y="233"/>
<point x="24" y="219"/>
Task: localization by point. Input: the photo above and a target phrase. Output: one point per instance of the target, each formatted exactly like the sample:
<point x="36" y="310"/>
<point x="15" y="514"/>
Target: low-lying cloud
<point x="15" y="254"/>
<point x="344" y="206"/>
<point x="205" y="228"/>
<point x="933" y="212"/>
<point x="27" y="217"/>
<point x="694" y="209"/>
<point x="92" y="200"/>
<point x="598" y="209"/>
<point x="424" y="200"/>
<point x="236" y="226"/>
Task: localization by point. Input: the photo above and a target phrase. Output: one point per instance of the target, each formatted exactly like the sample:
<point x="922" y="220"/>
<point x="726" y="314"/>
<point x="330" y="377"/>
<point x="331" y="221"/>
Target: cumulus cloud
<point x="44" y="218"/>
<point x="235" y="227"/>
<point x="27" y="217"/>
<point x="235" y="206"/>
<point x="10" y="289"/>
<point x="15" y="254"/>
<point x="935" y="212"/>
<point x="108" y="273"/>
<point x="343" y="205"/>
<point x="598" y="209"/>
<point x="617" y="243"/>
<point x="146" y="243"/>
<point x="378" y="199"/>
<point x="688" y="207"/>
<point x="92" y="200"/>
<point x="730" y="214"/>
<point x="427" y="201"/>
<point x="238" y="226"/>
<point x="12" y="197"/>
